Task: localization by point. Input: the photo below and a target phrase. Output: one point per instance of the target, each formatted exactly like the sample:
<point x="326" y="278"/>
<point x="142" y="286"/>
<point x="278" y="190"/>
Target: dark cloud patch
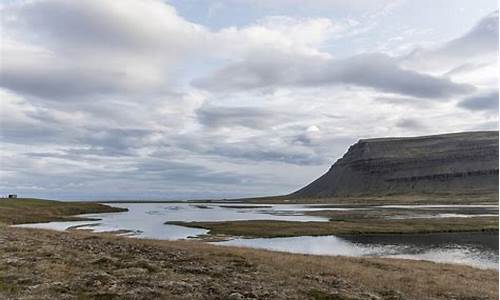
<point x="181" y="172"/>
<point x="262" y="147"/>
<point x="488" y="125"/>
<point x="407" y="101"/>
<point x="486" y="102"/>
<point x="66" y="50"/>
<point x="251" y="117"/>
<point x="142" y="178"/>
<point x="465" y="68"/>
<point x="303" y="139"/>
<point x="377" y="71"/>
<point x="41" y="127"/>
<point x="381" y="72"/>
<point x="475" y="49"/>
<point x="53" y="83"/>
<point x="410" y="124"/>
<point x="259" y="154"/>
<point x="22" y="133"/>
<point x="26" y="124"/>
<point x="481" y="39"/>
<point x="65" y="21"/>
<point x="115" y="141"/>
<point x="103" y="25"/>
<point x="145" y="169"/>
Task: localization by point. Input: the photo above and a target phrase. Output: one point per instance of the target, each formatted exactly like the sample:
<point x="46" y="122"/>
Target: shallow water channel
<point x="146" y="220"/>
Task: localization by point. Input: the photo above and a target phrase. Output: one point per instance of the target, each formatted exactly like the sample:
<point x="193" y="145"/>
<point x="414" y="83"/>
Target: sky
<point x="197" y="99"/>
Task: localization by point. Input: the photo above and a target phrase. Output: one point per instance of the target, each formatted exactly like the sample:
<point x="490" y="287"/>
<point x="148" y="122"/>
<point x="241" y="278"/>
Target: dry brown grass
<point x="52" y="265"/>
<point x="42" y="264"/>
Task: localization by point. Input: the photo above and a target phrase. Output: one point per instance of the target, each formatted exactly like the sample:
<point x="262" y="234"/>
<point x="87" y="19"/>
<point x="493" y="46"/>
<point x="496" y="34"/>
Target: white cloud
<point x="96" y="97"/>
<point x="64" y="49"/>
<point x="477" y="46"/>
<point x="376" y="71"/>
<point x="281" y="34"/>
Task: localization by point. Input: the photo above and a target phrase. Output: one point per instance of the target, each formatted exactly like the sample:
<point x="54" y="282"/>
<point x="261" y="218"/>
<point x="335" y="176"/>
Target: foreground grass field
<point x="23" y="210"/>
<point x="41" y="264"/>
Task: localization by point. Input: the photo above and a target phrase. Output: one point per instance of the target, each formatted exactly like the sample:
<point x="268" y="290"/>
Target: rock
<point x="104" y="260"/>
<point x="96" y="278"/>
<point x="143" y="293"/>
<point x="144" y="264"/>
<point x="178" y="287"/>
<point x="391" y="295"/>
<point x="59" y="287"/>
<point x="13" y="261"/>
<point x="41" y="286"/>
<point x="193" y="269"/>
<point x="371" y="296"/>
<point x="126" y="272"/>
<point x="235" y="296"/>
<point x="450" y="163"/>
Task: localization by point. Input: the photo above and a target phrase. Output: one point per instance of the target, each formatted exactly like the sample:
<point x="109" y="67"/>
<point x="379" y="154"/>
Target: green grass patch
<point x="28" y="210"/>
<point x="273" y="228"/>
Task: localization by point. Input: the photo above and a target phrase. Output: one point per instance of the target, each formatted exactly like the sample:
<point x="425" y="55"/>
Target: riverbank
<point x="42" y="264"/>
<point x="27" y="210"/>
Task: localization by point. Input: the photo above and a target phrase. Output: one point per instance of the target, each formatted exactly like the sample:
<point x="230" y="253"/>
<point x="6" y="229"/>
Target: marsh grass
<point x="27" y="210"/>
<point x="345" y="226"/>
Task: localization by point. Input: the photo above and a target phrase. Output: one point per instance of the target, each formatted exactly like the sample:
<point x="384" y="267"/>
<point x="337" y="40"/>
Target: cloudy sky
<point x="186" y="99"/>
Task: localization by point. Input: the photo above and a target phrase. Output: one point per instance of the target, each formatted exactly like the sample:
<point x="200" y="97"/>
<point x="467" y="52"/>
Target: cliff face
<point x="441" y="164"/>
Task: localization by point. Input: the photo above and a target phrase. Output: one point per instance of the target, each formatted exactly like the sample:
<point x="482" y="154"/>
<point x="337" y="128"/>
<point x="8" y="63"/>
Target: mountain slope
<point x="454" y="163"/>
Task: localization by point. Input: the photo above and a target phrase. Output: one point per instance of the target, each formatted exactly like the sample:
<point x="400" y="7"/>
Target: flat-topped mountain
<point x="457" y="163"/>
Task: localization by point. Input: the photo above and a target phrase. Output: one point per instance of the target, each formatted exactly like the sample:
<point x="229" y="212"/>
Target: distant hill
<point x="457" y="163"/>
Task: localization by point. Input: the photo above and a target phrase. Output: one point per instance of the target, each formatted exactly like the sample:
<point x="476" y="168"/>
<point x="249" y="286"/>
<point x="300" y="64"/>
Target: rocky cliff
<point x="455" y="163"/>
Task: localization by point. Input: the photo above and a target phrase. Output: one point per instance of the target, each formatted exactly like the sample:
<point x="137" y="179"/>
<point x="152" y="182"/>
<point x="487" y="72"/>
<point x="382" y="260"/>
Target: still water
<point x="146" y="220"/>
<point x="478" y="249"/>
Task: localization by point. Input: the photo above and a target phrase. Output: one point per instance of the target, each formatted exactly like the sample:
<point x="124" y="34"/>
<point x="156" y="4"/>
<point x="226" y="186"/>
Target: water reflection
<point x="476" y="249"/>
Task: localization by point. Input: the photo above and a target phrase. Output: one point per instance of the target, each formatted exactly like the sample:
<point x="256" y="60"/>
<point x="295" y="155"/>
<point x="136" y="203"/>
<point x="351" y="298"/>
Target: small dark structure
<point x="12" y="196"/>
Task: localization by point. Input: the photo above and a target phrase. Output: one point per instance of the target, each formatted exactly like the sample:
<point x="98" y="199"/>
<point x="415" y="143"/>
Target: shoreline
<point x="356" y="222"/>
